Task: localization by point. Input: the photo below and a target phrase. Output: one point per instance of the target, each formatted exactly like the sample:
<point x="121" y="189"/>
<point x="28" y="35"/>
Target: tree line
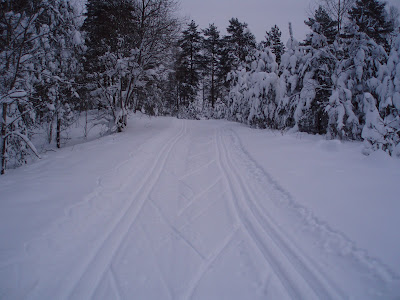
<point x="342" y="80"/>
<point x="138" y="55"/>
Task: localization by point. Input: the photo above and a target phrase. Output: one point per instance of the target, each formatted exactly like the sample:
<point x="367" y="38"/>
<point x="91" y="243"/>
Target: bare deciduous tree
<point x="338" y="10"/>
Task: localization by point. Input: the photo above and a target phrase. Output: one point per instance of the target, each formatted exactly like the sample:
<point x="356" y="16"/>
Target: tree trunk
<point x="50" y="133"/>
<point x="58" y="131"/>
<point x="4" y="139"/>
<point x="86" y="120"/>
<point x="177" y="98"/>
<point x="339" y="17"/>
<point x="204" y="92"/>
<point x="212" y="88"/>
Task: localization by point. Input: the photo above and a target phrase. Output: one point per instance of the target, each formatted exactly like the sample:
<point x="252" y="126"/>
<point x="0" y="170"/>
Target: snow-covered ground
<point x="177" y="209"/>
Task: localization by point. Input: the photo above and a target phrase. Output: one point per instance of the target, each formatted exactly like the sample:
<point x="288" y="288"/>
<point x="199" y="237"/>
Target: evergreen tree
<point x="359" y="61"/>
<point x="290" y="85"/>
<point x="236" y="45"/>
<point x="316" y="79"/>
<point x="225" y="64"/>
<point x="240" y="42"/>
<point x="59" y="67"/>
<point x="189" y="64"/>
<point x="212" y="58"/>
<point x="108" y="26"/>
<point x="372" y="19"/>
<point x="394" y="19"/>
<point x="273" y="40"/>
<point x="322" y="24"/>
<point x="385" y="132"/>
<point x="252" y="98"/>
<point x="316" y="76"/>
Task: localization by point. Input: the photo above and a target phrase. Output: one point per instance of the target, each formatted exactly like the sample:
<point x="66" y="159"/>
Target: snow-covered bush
<point x="252" y="98"/>
<point x="289" y="88"/>
<point x="374" y="131"/>
<point x="388" y="91"/>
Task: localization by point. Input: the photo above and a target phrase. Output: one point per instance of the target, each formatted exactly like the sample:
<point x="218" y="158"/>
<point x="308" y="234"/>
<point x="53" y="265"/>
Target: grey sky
<point x="261" y="15"/>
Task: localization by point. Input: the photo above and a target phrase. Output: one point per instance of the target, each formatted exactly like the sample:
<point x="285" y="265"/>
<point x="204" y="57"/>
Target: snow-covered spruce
<point x="252" y="98"/>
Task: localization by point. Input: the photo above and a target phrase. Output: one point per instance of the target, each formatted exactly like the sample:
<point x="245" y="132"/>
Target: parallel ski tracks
<point x="95" y="268"/>
<point x="231" y="168"/>
<point x="297" y="276"/>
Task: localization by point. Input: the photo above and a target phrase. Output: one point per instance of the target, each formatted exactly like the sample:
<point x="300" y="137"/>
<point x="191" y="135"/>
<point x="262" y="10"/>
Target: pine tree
<point x="273" y="40"/>
<point x="189" y="64"/>
<point x="240" y="41"/>
<point x="322" y="24"/>
<point x="359" y="60"/>
<point x="385" y="132"/>
<point x="290" y="85"/>
<point x="212" y="58"/>
<point x="372" y="19"/>
<point x="319" y="64"/>
<point x="109" y="26"/>
<point x="394" y="19"/>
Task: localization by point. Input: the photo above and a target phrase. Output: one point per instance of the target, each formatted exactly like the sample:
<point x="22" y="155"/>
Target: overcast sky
<point x="261" y="15"/>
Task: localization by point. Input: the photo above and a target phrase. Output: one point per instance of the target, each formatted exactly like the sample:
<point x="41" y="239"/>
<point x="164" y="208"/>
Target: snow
<point x="17" y="94"/>
<point x="356" y="194"/>
<point x="177" y="209"/>
<point x="396" y="100"/>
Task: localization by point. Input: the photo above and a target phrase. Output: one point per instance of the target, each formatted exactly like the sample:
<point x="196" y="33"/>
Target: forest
<point x="123" y="56"/>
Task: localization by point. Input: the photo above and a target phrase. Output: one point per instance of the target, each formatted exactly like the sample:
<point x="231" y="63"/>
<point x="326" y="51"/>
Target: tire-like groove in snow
<point x="96" y="266"/>
<point x="294" y="274"/>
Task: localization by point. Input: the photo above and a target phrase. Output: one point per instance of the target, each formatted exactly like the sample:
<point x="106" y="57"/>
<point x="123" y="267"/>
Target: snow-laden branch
<point x="25" y="139"/>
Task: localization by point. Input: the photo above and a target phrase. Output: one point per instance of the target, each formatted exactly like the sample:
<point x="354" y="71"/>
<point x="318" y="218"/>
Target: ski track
<point x="329" y="236"/>
<point x="114" y="284"/>
<point x="197" y="170"/>
<point x="207" y="263"/>
<point x="283" y="259"/>
<point x="96" y="266"/>
<point x="196" y="197"/>
<point x="175" y="230"/>
<point x="160" y="273"/>
<point x="88" y="200"/>
<point x="85" y="207"/>
<point x="239" y="182"/>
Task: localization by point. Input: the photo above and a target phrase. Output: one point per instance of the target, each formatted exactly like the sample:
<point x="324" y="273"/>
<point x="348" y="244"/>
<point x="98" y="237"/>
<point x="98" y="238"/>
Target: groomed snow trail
<point x="190" y="215"/>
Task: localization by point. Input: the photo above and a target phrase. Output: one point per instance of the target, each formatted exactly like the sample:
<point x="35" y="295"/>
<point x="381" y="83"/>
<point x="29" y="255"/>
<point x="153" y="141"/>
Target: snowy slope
<point x="176" y="209"/>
